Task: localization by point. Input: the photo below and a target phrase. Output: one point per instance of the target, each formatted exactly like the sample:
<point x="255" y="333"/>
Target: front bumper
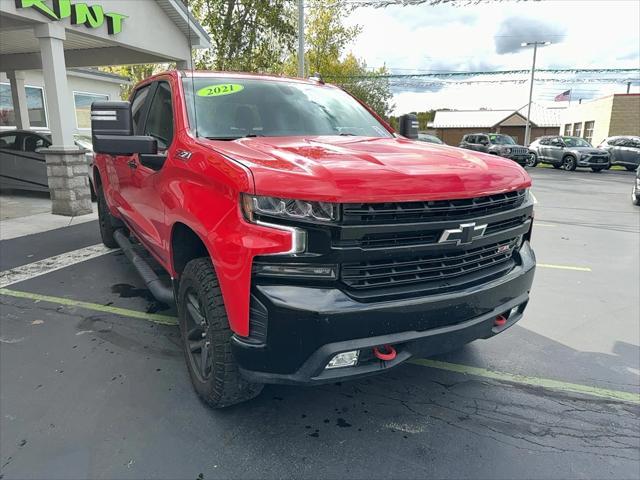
<point x="519" y="159"/>
<point x="593" y="161"/>
<point x="307" y="326"/>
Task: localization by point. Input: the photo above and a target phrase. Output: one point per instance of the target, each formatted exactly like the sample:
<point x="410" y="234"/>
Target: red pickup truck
<point x="305" y="239"/>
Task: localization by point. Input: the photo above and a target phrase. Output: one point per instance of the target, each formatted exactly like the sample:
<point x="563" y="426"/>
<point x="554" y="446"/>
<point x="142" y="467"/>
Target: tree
<point x="246" y="35"/>
<point x="326" y="38"/>
<point x="135" y="73"/>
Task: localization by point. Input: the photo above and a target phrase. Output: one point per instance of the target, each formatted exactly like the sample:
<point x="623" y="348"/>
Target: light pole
<point x="301" y="38"/>
<point x="527" y="131"/>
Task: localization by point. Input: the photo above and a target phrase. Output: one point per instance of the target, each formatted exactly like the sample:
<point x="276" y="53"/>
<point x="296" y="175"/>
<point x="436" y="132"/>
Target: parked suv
<point x="623" y="151"/>
<point x="306" y="241"/>
<point x="567" y="153"/>
<point x="496" y="144"/>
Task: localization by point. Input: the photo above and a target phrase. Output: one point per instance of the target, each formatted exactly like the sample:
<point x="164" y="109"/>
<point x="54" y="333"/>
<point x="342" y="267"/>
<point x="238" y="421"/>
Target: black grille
<point x="431" y="268"/>
<point x="519" y="151"/>
<point x="406" y="239"/>
<point x="428" y="211"/>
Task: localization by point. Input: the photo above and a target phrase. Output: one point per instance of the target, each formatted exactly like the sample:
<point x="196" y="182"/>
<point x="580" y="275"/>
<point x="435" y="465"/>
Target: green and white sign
<point x="220" y="89"/>
<point x="91" y="16"/>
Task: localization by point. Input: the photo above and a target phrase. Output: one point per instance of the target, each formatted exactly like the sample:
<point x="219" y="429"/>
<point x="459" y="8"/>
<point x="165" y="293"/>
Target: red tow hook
<point x="389" y="354"/>
<point x="500" y="320"/>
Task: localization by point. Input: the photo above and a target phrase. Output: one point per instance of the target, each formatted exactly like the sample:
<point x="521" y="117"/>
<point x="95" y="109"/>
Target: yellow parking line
<point x="68" y="302"/>
<point x="550" y="384"/>
<point x="452" y="367"/>
<point x="563" y="267"/>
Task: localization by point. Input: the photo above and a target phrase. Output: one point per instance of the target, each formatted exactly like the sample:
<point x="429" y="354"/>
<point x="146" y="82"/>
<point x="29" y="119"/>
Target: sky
<point x="487" y="37"/>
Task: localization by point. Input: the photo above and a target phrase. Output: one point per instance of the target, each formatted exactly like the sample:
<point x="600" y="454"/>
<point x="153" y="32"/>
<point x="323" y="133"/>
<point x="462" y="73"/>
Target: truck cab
<point x="305" y="239"/>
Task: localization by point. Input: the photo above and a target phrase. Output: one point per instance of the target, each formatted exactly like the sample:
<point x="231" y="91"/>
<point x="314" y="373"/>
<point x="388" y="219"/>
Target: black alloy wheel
<point x="199" y="351"/>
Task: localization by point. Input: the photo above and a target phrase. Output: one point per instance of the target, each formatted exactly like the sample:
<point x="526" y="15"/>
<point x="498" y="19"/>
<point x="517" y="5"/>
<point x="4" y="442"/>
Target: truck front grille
<point x="439" y="267"/>
<point x="429" y="211"/>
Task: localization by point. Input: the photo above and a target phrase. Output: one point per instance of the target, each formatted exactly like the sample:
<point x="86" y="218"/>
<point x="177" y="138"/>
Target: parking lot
<point x="93" y="382"/>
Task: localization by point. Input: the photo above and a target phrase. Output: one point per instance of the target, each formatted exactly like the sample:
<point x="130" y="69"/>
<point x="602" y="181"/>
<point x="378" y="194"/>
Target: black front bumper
<point x="307" y="326"/>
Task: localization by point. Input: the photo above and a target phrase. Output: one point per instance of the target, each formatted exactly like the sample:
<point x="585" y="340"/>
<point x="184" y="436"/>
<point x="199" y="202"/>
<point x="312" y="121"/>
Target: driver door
<point x="554" y="150"/>
<point x="143" y="197"/>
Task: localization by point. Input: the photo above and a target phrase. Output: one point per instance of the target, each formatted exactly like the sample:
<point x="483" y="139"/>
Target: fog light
<point x="295" y="270"/>
<point x="345" y="359"/>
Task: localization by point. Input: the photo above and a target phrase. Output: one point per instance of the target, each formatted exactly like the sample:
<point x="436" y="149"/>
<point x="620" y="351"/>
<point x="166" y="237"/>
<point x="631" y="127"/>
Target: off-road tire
<point x="569" y="163"/>
<point x="108" y="223"/>
<point x="224" y="386"/>
<point x="532" y="161"/>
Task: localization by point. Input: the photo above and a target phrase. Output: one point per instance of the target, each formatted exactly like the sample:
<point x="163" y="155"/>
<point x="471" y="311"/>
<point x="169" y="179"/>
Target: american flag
<point x="564" y="96"/>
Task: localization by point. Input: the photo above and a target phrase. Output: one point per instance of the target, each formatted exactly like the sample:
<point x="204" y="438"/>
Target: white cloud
<point x="586" y="34"/>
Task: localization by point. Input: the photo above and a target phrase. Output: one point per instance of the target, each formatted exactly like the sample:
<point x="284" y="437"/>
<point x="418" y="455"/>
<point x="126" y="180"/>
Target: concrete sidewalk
<point x="26" y="213"/>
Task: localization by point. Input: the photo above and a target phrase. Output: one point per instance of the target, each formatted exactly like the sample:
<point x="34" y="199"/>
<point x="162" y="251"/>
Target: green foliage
<point x="423" y="119"/>
<point x="326" y="38"/>
<point x="246" y="35"/>
<point x="135" y="73"/>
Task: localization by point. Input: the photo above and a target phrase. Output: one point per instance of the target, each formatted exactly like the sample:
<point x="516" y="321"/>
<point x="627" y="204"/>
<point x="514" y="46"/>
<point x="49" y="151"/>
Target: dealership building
<point x="595" y="120"/>
<point x="46" y="50"/>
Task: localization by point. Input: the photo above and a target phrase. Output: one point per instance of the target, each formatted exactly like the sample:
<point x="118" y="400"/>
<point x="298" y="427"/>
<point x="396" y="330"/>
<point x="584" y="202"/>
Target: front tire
<point x="106" y="221"/>
<point x="597" y="169"/>
<point x="631" y="168"/>
<point x="207" y="338"/>
<point x="532" y="161"/>
<point x="556" y="165"/>
<point x="569" y="163"/>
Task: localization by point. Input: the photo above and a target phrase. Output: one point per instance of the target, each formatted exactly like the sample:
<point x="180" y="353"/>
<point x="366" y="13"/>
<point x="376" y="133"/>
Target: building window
<point x="577" y="129"/>
<point x="567" y="130"/>
<point x="35" y="105"/>
<point x="588" y="131"/>
<point x="83" y="103"/>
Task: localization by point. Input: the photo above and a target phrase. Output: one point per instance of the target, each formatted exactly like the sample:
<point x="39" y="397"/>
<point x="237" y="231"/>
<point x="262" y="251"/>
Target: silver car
<point x="567" y="153"/>
<point x="623" y="150"/>
<point x="22" y="167"/>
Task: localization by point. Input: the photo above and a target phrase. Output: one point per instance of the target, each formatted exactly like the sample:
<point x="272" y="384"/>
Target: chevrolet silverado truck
<point x="304" y="240"/>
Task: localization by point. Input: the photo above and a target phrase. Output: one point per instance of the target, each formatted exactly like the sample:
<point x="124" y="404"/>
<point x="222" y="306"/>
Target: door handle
<point x="132" y="164"/>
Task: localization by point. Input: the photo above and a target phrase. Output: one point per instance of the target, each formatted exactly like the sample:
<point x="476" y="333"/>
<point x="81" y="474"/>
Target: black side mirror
<point x="112" y="130"/>
<point x="408" y="126"/>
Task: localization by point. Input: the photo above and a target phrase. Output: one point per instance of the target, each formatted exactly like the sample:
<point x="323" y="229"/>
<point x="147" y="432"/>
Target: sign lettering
<point x="91" y="16"/>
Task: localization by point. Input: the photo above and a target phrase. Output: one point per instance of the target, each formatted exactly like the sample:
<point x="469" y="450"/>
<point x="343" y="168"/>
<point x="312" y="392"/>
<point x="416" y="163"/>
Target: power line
<point x="486" y="72"/>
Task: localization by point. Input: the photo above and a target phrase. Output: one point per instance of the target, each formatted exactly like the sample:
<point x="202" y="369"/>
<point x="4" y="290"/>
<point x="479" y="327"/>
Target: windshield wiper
<point x="230" y="139"/>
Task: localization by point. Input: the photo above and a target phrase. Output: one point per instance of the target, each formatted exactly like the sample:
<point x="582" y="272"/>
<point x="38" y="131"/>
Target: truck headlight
<point x="288" y="208"/>
<point x="506" y="150"/>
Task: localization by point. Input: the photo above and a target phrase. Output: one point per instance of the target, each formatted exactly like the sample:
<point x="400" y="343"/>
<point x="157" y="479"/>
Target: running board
<point x="158" y="289"/>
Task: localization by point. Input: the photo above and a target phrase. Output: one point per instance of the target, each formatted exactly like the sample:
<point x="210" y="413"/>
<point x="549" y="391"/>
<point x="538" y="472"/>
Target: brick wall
<point x="625" y="116"/>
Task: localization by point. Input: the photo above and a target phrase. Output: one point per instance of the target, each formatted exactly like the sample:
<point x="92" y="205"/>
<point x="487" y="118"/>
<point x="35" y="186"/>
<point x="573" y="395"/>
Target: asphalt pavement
<point x="93" y="383"/>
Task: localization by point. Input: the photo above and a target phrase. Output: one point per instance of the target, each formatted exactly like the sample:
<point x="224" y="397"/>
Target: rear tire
<point x="532" y="161"/>
<point x="207" y="338"/>
<point x="569" y="163"/>
<point x="107" y="222"/>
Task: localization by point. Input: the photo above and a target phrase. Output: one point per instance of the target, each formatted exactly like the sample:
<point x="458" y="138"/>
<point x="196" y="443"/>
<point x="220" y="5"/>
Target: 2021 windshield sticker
<point x="220" y="89"/>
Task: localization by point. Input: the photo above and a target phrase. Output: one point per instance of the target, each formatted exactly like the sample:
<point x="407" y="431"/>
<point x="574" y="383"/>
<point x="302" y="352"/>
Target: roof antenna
<point x="192" y="68"/>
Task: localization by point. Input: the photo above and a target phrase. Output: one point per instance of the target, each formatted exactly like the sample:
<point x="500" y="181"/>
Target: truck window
<point x="227" y="108"/>
<point x="136" y="107"/>
<point x="159" y="122"/>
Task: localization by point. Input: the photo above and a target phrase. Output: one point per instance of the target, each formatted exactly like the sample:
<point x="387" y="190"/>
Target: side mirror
<point x="408" y="126"/>
<point x="112" y="131"/>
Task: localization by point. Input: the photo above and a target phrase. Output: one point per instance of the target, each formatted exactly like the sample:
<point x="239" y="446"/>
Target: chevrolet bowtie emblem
<point x="464" y="234"/>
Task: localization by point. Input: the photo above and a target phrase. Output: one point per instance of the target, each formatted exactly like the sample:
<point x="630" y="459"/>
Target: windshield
<point x="575" y="142"/>
<point x="425" y="137"/>
<point x="231" y="108"/>
<point x="501" y="140"/>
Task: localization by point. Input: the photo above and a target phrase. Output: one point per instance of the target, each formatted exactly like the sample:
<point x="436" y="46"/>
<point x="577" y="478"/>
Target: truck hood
<point x="363" y="169"/>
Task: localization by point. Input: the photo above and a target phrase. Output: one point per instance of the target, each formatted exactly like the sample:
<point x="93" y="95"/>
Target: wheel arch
<point x="185" y="246"/>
